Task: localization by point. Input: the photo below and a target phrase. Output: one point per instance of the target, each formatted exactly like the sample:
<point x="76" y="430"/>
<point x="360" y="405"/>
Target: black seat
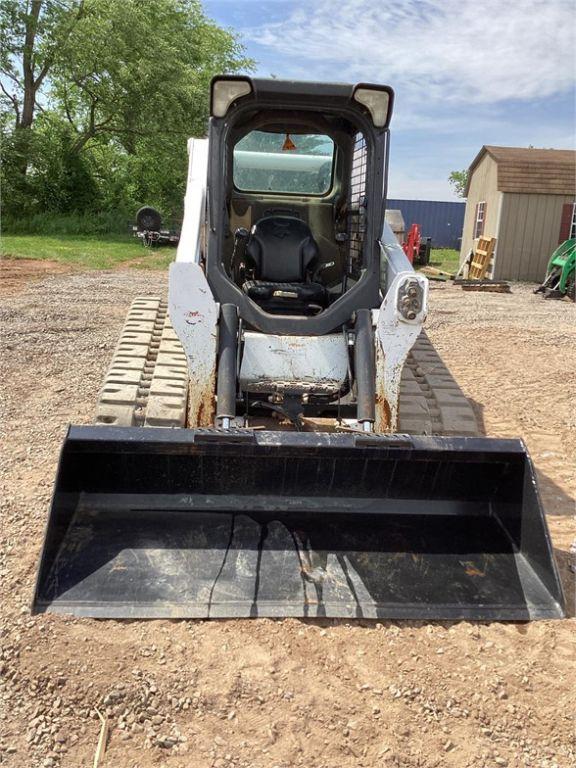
<point x="282" y="255"/>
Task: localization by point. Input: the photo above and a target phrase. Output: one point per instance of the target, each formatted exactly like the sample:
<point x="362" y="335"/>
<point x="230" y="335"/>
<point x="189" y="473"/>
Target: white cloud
<point x="438" y="50"/>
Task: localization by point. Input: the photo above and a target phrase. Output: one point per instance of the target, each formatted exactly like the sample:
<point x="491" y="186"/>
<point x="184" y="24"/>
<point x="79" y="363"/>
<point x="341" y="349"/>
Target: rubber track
<point x="147" y="382"/>
<point x="431" y="402"/>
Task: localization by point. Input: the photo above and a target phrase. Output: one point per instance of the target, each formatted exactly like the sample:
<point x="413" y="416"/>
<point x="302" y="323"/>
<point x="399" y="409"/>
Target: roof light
<point x="377" y="102"/>
<point x="224" y="92"/>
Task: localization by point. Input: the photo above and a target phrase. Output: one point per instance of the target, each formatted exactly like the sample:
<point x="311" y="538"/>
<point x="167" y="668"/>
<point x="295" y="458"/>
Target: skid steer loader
<point x="281" y="438"/>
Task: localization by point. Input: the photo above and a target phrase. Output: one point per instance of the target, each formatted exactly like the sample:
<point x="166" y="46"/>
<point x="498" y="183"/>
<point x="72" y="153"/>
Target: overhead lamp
<point x="225" y="91"/>
<point x="377" y="101"/>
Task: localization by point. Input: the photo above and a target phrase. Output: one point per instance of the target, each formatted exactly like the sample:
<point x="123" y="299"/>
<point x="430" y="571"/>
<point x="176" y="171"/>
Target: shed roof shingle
<point x="531" y="171"/>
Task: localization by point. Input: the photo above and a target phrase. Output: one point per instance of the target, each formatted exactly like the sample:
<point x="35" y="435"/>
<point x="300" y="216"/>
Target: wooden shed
<point x="525" y="198"/>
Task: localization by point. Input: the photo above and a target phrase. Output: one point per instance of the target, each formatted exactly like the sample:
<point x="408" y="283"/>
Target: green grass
<point x="87" y="251"/>
<point x="445" y="258"/>
<point x="56" y="224"/>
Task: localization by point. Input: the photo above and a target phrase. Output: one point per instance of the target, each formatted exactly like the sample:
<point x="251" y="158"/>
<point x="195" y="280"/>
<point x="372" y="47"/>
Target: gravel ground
<point x="251" y="694"/>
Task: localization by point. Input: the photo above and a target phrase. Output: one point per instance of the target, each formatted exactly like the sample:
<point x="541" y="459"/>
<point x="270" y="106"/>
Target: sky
<point x="465" y="73"/>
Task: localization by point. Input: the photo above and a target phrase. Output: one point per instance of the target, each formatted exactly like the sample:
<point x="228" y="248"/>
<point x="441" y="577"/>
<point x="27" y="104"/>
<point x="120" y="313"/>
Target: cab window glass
<point x="284" y="163"/>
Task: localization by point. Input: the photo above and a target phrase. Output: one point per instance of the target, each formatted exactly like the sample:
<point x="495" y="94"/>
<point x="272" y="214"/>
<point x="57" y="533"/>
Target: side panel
<point x="191" y="245"/>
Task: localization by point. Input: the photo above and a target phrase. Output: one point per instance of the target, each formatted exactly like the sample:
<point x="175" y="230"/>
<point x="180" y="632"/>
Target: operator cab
<point x="296" y="201"/>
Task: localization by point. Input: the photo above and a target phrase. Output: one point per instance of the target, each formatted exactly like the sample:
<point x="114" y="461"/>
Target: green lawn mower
<point x="561" y="273"/>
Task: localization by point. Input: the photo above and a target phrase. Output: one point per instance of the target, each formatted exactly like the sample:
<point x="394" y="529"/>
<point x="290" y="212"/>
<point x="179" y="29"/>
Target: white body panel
<point x="189" y="247"/>
<point x="312" y="364"/>
<point x="191" y="306"/>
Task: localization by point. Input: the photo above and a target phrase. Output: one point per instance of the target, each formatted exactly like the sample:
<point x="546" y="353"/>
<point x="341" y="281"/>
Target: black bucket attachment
<point x="151" y="523"/>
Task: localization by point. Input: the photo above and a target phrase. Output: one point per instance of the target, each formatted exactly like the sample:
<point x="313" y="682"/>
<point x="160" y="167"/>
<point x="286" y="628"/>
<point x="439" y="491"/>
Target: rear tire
<point x="148" y="218"/>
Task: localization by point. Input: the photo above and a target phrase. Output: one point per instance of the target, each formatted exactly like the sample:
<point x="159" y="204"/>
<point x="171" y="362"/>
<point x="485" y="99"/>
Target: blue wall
<point x="443" y="222"/>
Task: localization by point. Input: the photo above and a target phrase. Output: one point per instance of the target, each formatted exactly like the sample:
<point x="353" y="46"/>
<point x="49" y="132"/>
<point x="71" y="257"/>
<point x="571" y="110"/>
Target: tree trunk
<point x="29" y="101"/>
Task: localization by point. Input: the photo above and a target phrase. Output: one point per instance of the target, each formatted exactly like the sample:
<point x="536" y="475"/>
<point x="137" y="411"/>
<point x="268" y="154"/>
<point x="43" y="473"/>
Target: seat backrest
<point x="282" y="249"/>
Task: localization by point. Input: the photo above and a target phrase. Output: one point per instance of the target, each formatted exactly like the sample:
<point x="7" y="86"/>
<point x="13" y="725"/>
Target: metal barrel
<point x="150" y="523"/>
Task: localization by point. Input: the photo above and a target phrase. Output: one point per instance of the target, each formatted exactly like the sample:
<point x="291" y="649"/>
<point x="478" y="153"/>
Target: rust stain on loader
<point x="201" y="405"/>
<point x="383" y="414"/>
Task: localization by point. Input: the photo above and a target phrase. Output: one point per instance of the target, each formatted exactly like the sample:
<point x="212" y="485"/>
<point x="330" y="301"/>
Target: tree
<point x="121" y="84"/>
<point x="62" y="179"/>
<point x="459" y="179"/>
<point x="34" y="33"/>
<point x="141" y="70"/>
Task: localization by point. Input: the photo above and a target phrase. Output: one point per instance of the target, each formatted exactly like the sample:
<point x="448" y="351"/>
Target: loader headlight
<point x="410" y="299"/>
<point x="378" y="102"/>
<point x="225" y="91"/>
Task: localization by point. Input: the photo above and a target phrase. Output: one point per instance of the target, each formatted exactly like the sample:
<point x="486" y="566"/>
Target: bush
<point x="69" y="224"/>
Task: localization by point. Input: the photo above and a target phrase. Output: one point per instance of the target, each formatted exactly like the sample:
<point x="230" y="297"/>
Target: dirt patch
<point x="255" y="694"/>
<point x="15" y="274"/>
